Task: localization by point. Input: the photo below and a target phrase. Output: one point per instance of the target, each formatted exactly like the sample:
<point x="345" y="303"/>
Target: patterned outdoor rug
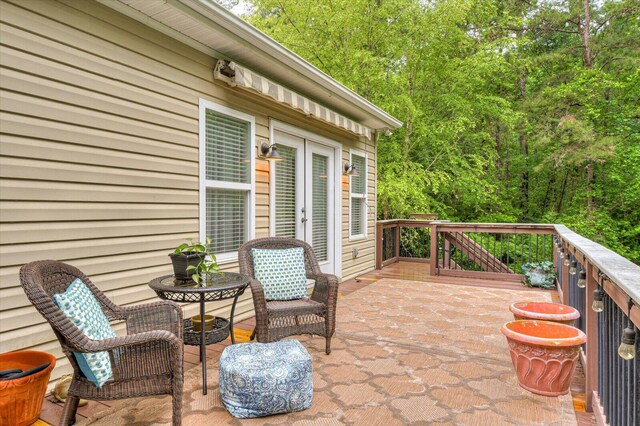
<point x="404" y="353"/>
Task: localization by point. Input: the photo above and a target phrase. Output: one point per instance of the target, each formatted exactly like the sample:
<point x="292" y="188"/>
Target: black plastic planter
<point x="182" y="260"/>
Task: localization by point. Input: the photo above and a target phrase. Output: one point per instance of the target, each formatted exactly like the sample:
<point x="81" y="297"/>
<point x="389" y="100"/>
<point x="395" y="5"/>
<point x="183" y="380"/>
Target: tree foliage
<point x="513" y="110"/>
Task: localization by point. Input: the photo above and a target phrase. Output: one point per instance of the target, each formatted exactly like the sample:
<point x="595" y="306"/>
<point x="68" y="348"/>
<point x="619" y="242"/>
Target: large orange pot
<point x="21" y="399"/>
<point x="544" y="354"/>
<point x="544" y="311"/>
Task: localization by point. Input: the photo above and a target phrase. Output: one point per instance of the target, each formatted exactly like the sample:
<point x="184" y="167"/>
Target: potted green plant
<point x="205" y="270"/>
<point x="187" y="255"/>
<point x="539" y="274"/>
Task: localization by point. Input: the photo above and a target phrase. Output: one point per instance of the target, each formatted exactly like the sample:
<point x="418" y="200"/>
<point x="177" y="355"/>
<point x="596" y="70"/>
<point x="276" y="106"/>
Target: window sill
<point x="226" y="258"/>
<point x="358" y="237"/>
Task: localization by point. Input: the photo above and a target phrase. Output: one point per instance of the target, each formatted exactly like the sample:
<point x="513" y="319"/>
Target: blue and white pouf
<point x="260" y="379"/>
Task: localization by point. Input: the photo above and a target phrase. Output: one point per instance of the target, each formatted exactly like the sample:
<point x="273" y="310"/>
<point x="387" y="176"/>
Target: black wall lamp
<point x="269" y="152"/>
<point x="350" y="170"/>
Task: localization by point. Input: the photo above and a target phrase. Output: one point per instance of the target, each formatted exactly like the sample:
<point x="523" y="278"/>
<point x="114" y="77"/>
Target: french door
<point x="304" y="188"/>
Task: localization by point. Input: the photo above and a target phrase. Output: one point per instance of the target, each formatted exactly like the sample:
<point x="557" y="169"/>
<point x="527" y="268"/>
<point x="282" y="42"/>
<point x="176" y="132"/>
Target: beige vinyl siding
<point x="99" y="156"/>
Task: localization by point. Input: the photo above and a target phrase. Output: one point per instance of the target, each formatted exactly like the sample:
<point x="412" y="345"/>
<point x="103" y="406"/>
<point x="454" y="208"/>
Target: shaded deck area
<point x="409" y="349"/>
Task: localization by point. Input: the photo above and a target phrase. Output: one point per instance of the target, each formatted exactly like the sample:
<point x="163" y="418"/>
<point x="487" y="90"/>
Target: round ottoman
<point x="260" y="379"/>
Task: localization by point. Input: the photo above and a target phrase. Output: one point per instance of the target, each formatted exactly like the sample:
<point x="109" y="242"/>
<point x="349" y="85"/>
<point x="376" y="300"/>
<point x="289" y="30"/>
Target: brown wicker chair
<point x="147" y="361"/>
<point x="276" y="319"/>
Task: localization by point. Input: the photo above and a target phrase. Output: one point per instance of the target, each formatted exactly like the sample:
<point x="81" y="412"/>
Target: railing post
<point x="433" y="257"/>
<point x="565" y="279"/>
<point x="379" y="244"/>
<point x="591" y="329"/>
<point x="446" y="255"/>
<point x="397" y="253"/>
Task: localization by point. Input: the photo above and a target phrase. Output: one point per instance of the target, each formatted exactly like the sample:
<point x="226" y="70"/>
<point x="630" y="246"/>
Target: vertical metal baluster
<point x="499" y="259"/>
<point x="609" y="362"/>
<point x="529" y="259"/>
<point x="614" y="364"/>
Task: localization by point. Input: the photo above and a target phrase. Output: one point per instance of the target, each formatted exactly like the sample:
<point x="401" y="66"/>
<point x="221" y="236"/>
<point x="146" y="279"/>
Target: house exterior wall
<point x="99" y="156"/>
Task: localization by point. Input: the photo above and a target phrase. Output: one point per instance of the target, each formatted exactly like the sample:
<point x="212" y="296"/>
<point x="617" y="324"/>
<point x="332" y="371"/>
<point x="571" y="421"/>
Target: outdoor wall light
<point x="598" y="304"/>
<point x="573" y="269"/>
<point x="350" y="170"/>
<point x="269" y="152"/>
<point x="582" y="279"/>
<point x="627" y="349"/>
<point x="567" y="259"/>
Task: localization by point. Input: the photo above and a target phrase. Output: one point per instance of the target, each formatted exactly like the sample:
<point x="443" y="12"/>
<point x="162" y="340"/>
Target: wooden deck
<point x="409" y="271"/>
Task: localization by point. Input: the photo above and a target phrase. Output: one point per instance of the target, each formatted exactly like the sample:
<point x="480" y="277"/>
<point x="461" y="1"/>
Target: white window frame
<point x="364" y="196"/>
<point x="204" y="105"/>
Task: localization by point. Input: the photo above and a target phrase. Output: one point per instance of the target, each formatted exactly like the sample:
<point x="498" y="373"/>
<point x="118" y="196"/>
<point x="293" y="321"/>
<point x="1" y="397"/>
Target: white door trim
<point x="337" y="147"/>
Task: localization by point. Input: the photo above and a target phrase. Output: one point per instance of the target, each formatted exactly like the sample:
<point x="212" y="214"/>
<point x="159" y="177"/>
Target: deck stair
<point x="476" y="253"/>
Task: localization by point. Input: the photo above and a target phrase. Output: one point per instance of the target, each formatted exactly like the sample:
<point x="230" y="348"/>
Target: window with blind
<point x="358" y="197"/>
<point x="226" y="178"/>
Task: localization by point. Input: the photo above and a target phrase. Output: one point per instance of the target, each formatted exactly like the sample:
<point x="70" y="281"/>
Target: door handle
<point x="304" y="220"/>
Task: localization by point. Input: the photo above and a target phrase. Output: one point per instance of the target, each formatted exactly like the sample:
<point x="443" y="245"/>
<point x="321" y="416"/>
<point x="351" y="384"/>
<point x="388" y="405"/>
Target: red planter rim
<point x="543" y="333"/>
<point x="545" y="311"/>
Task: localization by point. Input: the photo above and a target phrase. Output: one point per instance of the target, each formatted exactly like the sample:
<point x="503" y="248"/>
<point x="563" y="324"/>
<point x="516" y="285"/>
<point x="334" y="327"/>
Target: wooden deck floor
<point x="410" y="271"/>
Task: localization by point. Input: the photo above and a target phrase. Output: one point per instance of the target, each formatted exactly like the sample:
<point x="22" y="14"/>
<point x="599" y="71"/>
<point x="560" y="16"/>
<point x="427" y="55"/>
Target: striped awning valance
<point x="238" y="76"/>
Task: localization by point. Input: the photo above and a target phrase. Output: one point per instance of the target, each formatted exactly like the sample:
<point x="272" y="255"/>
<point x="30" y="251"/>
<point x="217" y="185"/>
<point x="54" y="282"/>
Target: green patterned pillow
<point x="281" y="272"/>
<point x="82" y="308"/>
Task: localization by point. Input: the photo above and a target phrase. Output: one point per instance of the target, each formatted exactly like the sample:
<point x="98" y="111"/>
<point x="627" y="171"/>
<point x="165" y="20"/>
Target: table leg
<point x="203" y="347"/>
<point x="233" y="310"/>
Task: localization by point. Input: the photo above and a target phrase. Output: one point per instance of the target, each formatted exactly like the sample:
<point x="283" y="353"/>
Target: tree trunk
<point x="588" y="63"/>
<point x="564" y="186"/>
<point x="590" y="203"/>
<point x="585" y="35"/>
<point x="524" y="150"/>
<point x="407" y="141"/>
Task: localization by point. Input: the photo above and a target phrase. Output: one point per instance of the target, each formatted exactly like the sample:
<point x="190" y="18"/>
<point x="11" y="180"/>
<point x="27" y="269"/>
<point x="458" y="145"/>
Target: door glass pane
<point x="226" y="219"/>
<point x="319" y="205"/>
<point x="285" y="209"/>
<point x="227" y="148"/>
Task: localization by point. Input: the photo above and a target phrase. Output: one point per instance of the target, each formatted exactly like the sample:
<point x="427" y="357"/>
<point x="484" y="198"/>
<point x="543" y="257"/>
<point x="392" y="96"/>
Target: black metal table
<point x="228" y="285"/>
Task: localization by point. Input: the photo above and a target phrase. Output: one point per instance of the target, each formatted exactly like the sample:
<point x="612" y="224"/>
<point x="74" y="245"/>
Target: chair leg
<point x="176" y="399"/>
<point x="70" y="408"/>
<point x="328" y="347"/>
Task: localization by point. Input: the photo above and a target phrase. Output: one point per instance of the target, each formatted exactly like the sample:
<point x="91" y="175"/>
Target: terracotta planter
<point x="21" y="399"/>
<point x="544" y="354"/>
<point x="544" y="311"/>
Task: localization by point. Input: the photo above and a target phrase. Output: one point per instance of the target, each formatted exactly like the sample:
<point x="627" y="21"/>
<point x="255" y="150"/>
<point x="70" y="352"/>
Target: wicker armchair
<point x="147" y="361"/>
<point x="276" y="319"/>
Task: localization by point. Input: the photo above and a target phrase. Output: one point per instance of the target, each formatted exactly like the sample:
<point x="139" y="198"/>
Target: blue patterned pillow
<point x="281" y="272"/>
<point x="82" y="308"/>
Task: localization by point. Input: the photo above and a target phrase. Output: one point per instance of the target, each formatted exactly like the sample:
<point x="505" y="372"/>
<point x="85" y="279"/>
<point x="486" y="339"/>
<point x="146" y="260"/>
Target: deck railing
<point x="502" y="251"/>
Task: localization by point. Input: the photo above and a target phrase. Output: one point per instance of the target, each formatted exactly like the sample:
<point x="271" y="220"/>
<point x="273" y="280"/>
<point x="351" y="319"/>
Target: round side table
<point x="227" y="285"/>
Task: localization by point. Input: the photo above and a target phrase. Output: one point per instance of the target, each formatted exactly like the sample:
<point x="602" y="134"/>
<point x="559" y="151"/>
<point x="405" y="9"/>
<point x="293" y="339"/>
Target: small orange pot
<point x="21" y="399"/>
<point x="544" y="311"/>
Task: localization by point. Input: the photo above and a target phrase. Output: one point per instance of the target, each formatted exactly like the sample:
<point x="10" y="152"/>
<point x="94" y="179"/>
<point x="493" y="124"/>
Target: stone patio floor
<point x="405" y="352"/>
